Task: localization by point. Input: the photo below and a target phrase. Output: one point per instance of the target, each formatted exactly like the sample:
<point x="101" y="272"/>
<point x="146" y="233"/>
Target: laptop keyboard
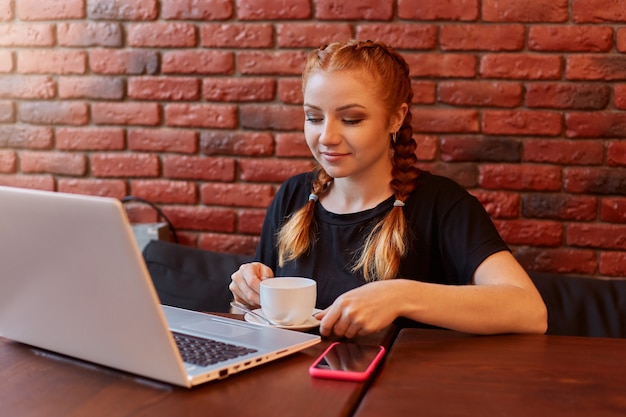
<point x="205" y="352"/>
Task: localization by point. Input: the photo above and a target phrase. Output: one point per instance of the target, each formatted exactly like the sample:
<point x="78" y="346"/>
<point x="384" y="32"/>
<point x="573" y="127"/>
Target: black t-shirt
<point x="450" y="235"/>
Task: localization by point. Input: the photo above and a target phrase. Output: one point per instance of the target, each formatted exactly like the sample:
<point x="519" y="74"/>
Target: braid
<point x="297" y="235"/>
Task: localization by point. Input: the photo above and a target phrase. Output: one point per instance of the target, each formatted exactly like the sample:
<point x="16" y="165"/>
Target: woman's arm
<point x="503" y="299"/>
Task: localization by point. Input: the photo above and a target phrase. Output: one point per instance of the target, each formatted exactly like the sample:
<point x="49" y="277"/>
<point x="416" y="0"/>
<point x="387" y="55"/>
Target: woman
<point x="383" y="239"/>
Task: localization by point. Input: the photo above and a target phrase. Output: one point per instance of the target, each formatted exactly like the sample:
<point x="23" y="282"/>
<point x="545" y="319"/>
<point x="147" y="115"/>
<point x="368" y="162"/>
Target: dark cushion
<point x="191" y="278"/>
<point x="583" y="306"/>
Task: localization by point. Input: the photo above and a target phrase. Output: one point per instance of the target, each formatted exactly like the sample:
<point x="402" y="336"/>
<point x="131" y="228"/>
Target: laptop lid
<point x="74" y="282"/>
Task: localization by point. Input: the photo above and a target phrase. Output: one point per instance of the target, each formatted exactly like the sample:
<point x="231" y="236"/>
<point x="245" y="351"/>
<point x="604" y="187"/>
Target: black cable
<point x="132" y="198"/>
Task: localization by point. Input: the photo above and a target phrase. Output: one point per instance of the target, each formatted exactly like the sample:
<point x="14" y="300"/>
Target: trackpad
<point x="214" y="327"/>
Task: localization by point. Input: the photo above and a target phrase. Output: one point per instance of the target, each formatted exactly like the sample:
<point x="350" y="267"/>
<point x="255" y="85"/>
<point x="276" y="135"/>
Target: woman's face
<point x="347" y="125"/>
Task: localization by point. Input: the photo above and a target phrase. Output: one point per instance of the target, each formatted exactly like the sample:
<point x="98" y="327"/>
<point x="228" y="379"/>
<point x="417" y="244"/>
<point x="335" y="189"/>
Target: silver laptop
<point x="73" y="281"/>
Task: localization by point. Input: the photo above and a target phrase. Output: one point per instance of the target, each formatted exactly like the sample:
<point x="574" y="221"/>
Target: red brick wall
<point x="195" y="105"/>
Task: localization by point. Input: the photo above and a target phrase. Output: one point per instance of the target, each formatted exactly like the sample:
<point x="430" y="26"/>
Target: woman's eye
<point x="312" y="119"/>
<point x="352" y="121"/>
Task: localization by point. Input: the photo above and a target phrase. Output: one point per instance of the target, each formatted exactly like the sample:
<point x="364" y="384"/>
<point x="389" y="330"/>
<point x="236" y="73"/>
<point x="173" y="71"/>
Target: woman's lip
<point x="333" y="156"/>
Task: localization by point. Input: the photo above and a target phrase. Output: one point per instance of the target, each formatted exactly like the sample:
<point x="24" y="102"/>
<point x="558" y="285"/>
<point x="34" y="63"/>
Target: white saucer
<point x="309" y="324"/>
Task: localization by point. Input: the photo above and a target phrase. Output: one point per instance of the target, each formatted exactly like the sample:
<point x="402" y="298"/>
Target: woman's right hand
<point x="245" y="283"/>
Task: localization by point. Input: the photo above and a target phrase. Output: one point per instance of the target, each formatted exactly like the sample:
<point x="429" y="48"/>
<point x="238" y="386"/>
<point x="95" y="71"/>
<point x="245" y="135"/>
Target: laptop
<point x="73" y="281"/>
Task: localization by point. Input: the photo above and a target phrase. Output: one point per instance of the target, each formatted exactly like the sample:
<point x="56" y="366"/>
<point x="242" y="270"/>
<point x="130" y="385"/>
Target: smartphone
<point x="347" y="361"/>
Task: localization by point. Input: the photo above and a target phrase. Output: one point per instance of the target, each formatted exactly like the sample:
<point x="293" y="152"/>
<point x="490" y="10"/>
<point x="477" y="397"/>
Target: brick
<point x="196" y="10"/>
<point x="187" y="238"/>
<point x="292" y="145"/>
<point x="527" y="11"/>
<point x="231" y="35"/>
<point x="311" y="35"/>
<point x="479" y="148"/>
<point x="89" y="139"/>
<point x="91" y="87"/>
<point x="164" y="35"/>
<point x="598" y="11"/>
<point x="613" y="264"/>
<point x="50" y="9"/>
<point x="60" y="163"/>
<point x="198" y="168"/>
<point x="122" y="9"/>
<point x="521" y="66"/>
<point x="132" y="62"/>
<point x="165" y="191"/>
<point x="562" y="261"/>
<point x="595" y="125"/>
<point x="6" y="61"/>
<point x="124" y="165"/>
<point x="228" y="243"/>
<point x="26" y="137"/>
<point x="438" y="9"/>
<point x="520" y="177"/>
<point x="424" y="92"/>
<point x="465" y="174"/>
<point x="271" y="117"/>
<point x="523" y="122"/>
<point x="530" y="232"/>
<point x="578" y="96"/>
<point x="29" y="35"/>
<point x="290" y="90"/>
<point x="89" y="186"/>
<point x="8" y="162"/>
<point x="450" y="65"/>
<point x="238" y="89"/>
<point x="616" y="153"/>
<point x="237" y="195"/>
<point x="126" y="113"/>
<point x="198" y="62"/>
<point x="270" y="63"/>
<point x="90" y="34"/>
<point x="427" y="146"/>
<point x="354" y="10"/>
<point x="141" y="213"/>
<point x="51" y="61"/>
<point x="272" y="170"/>
<point x="470" y="37"/>
<point x="621" y="40"/>
<point x="613" y="209"/>
<point x="7" y="112"/>
<point x="480" y="93"/>
<point x="48" y="112"/>
<point x="595" y="180"/>
<point x="6" y="10"/>
<point x="163" y="88"/>
<point x="250" y="221"/>
<point x="201" y="115"/>
<point x="619" y="93"/>
<point x="499" y="204"/>
<point x="273" y="9"/>
<point x="596" y="235"/>
<point x="399" y="35"/>
<point x="570" y="38"/>
<point x="163" y="140"/>
<point x="595" y="67"/>
<point x="201" y="218"/>
<point x="559" y="207"/>
<point x="445" y="121"/>
<point x="37" y="182"/>
<point x="566" y="152"/>
<point x="221" y="142"/>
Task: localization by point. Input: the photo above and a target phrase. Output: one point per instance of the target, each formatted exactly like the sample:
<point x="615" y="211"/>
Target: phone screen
<point x="348" y="357"/>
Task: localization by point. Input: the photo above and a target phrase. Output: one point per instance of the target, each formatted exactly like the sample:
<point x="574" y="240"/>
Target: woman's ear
<point x="397" y="118"/>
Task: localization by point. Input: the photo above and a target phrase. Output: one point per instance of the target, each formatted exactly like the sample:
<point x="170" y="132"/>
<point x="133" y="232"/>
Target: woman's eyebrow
<point x="344" y="107"/>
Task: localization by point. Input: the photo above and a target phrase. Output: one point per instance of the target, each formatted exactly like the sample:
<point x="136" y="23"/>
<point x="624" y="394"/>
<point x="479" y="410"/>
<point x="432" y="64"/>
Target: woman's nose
<point x="330" y="133"/>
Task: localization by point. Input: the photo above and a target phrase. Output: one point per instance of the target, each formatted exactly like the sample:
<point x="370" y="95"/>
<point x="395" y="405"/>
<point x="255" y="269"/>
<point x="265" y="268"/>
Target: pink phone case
<point x="344" y="374"/>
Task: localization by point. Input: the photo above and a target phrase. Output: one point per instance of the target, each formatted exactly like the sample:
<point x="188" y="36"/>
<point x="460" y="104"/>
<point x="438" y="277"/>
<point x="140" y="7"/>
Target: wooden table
<point x="443" y="373"/>
<point x="37" y="383"/>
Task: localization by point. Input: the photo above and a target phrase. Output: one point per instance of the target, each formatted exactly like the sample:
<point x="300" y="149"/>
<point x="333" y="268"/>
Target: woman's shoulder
<point x="428" y="182"/>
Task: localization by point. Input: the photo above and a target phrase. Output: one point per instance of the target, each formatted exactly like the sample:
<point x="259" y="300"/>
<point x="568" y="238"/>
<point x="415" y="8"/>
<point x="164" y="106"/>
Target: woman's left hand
<point x="363" y="310"/>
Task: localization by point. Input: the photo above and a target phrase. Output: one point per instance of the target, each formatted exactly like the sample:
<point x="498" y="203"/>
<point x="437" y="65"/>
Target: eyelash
<point x="349" y="122"/>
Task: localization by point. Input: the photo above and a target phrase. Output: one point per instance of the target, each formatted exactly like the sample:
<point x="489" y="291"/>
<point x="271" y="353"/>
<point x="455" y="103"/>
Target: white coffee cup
<point x="288" y="301"/>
